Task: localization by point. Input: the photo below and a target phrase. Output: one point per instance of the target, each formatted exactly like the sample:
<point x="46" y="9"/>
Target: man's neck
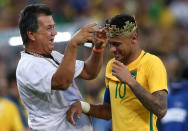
<point x="34" y="50"/>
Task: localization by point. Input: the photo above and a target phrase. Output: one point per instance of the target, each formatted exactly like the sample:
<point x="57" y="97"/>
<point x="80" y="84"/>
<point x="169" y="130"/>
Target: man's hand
<point x="120" y="71"/>
<point x="74" y="112"/>
<point x="85" y="34"/>
<point x="100" y="39"/>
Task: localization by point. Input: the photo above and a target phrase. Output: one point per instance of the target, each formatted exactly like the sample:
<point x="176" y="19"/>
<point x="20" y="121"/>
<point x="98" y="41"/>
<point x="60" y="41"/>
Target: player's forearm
<point x="64" y="75"/>
<point x="100" y="111"/>
<point x="157" y="105"/>
<point x="93" y="64"/>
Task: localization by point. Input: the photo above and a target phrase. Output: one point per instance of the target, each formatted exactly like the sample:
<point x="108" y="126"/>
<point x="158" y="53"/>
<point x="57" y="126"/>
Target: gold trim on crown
<point x="113" y="31"/>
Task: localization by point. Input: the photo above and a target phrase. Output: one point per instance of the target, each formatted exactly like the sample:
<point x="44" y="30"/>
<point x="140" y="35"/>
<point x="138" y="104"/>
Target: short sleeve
<point x="107" y="82"/>
<point x="157" y="76"/>
<point x="78" y="68"/>
<point x="38" y="75"/>
<point x="107" y="96"/>
<point x="108" y="73"/>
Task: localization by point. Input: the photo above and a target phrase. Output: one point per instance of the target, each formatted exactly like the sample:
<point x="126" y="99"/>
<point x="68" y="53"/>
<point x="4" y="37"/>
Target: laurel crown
<point x="113" y="31"/>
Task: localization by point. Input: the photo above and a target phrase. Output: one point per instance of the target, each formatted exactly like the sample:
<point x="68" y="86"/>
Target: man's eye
<point x="49" y="28"/>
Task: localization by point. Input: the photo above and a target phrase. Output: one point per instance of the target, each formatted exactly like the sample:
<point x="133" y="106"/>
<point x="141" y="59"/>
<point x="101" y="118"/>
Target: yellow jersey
<point x="9" y="116"/>
<point x="128" y="113"/>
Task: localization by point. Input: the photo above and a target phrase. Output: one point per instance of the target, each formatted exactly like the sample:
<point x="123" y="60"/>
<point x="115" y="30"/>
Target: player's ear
<point x="134" y="38"/>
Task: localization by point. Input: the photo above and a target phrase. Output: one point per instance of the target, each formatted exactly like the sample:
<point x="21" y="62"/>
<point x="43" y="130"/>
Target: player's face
<point x="44" y="37"/>
<point x="121" y="48"/>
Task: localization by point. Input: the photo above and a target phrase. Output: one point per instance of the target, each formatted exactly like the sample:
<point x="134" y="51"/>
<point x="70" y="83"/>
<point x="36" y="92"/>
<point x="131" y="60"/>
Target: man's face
<point x="120" y="47"/>
<point x="44" y="37"/>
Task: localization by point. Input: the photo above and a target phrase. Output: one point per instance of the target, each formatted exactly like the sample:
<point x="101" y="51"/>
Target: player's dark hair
<point x="119" y="20"/>
<point x="28" y="19"/>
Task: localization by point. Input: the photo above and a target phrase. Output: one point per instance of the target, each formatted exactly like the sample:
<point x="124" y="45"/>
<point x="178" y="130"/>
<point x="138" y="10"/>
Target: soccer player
<point x="136" y="82"/>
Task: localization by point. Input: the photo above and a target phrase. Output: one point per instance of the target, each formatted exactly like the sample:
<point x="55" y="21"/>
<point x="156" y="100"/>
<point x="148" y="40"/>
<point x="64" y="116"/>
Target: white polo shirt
<point x="46" y="107"/>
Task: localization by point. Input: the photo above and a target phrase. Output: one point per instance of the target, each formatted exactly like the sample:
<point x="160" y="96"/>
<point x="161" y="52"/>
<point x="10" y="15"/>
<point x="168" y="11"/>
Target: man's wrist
<point x="97" y="49"/>
<point x="72" y="43"/>
<point x="85" y="106"/>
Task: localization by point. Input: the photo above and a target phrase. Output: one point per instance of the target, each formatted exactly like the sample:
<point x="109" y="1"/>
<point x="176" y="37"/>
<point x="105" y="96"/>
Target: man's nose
<point x="54" y="32"/>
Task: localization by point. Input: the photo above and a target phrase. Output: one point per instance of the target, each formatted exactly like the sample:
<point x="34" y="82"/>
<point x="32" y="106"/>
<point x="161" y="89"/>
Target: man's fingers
<point x="101" y="35"/>
<point x="90" y="35"/>
<point x="99" y="39"/>
<point x="100" y="27"/>
<point x="92" y="39"/>
<point x="91" y="25"/>
<point x="92" y="30"/>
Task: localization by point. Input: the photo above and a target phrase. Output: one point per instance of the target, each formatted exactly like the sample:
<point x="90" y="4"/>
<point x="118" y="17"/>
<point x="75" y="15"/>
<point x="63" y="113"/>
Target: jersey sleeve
<point x="107" y="90"/>
<point x="108" y="73"/>
<point x="157" y="76"/>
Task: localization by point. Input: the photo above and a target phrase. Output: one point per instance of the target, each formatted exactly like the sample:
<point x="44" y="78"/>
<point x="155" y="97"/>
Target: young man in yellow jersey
<point x="136" y="82"/>
<point x="9" y="115"/>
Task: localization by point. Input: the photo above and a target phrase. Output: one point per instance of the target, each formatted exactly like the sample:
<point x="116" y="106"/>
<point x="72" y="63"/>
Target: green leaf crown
<point x="113" y="31"/>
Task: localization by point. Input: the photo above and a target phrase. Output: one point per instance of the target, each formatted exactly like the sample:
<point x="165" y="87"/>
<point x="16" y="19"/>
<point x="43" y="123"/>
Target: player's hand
<point x="120" y="71"/>
<point x="74" y="113"/>
<point x="100" y="39"/>
<point x="85" y="34"/>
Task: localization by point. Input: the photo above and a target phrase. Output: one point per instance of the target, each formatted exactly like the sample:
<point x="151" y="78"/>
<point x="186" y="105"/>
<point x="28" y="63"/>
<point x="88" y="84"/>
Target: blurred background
<point x="163" y="31"/>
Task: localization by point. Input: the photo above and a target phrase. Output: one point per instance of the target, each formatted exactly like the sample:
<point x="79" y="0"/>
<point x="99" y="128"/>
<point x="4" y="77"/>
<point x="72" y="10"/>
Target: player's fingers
<point x="79" y="114"/>
<point x="118" y="63"/>
<point x="114" y="74"/>
<point x="114" y="69"/>
<point x="71" y="118"/>
<point x="73" y="121"/>
<point x="115" y="66"/>
<point x="68" y="117"/>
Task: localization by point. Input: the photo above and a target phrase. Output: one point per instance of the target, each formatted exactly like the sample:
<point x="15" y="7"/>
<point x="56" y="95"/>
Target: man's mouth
<point x="51" y="40"/>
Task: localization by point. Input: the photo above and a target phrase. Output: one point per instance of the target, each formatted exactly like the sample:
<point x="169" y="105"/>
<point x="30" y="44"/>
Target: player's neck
<point x="133" y="56"/>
